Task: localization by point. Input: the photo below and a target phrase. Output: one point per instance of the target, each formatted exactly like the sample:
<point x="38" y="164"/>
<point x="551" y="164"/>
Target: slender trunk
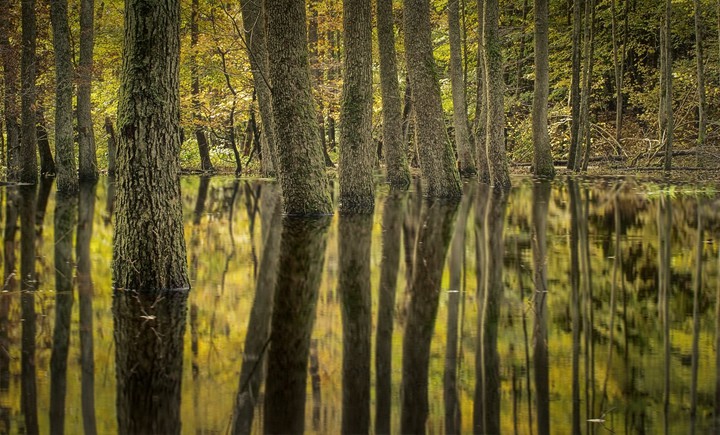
<point x="617" y="64"/>
<point x="584" y="140"/>
<point x="357" y="153"/>
<point x="300" y="160"/>
<point x="575" y="83"/>
<point x="542" y="152"/>
<point x="481" y="102"/>
<point x="10" y="53"/>
<point x="495" y="88"/>
<point x="202" y="142"/>
<point x="465" y="154"/>
<point x="667" y="85"/>
<point x="88" y="170"/>
<point x="521" y="52"/>
<point x="700" y="59"/>
<point x="27" y="162"/>
<point x="437" y="162"/>
<point x="396" y="163"/>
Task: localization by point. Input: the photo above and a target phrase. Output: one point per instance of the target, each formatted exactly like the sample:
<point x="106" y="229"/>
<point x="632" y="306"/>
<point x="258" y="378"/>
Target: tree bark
<point x="617" y="66"/>
<point x="575" y="82"/>
<point x="202" y="142"/>
<point x="27" y="168"/>
<point x="437" y="163"/>
<point x="702" y="105"/>
<point x="253" y="14"/>
<point x="67" y="179"/>
<point x="584" y="140"/>
<point x="357" y="153"/>
<point x="542" y="152"/>
<point x="300" y="158"/>
<point x="10" y="53"/>
<point x="112" y="146"/>
<point x="466" y="158"/>
<point x="667" y="85"/>
<point x="47" y="163"/>
<point x="88" y="167"/>
<point x="396" y="163"/>
<point x="495" y="85"/>
<point x="149" y="246"/>
<point x="481" y="119"/>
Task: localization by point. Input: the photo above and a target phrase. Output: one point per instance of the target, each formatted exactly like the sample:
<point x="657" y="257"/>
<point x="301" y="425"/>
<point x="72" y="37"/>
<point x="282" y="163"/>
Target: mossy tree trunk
<point x="67" y="179"/>
<point x="253" y="14"/>
<point x="396" y="163"/>
<point x="301" y="167"/>
<point x="11" y="112"/>
<point x="27" y="155"/>
<point x="495" y="85"/>
<point x="542" y="152"/>
<point x="149" y="246"/>
<point x="437" y="161"/>
<point x="357" y="153"/>
<point x="88" y="168"/>
<point x="465" y="154"/>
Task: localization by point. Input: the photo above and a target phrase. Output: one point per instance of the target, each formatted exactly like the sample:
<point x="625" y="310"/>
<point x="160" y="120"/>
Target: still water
<point x="581" y="306"/>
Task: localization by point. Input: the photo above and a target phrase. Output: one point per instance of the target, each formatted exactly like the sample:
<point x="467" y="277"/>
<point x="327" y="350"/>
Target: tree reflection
<point x="393" y="214"/>
<point x="149" y="335"/>
<point x="28" y="285"/>
<point x="541" y="198"/>
<point x="433" y="239"/>
<point x="302" y="253"/>
<point x="65" y="216"/>
<point x="252" y="371"/>
<point x="10" y="284"/>
<point x="354" y="289"/>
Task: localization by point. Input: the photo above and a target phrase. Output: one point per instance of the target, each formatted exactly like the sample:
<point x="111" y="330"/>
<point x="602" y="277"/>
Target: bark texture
<point x="27" y="161"/>
<point x="575" y="83"/>
<point x="357" y="152"/>
<point x="396" y="163"/>
<point x="253" y="14"/>
<point x="149" y="331"/>
<point x="437" y="162"/>
<point x="88" y="167"/>
<point x="667" y="119"/>
<point x="67" y="180"/>
<point x="11" y="110"/>
<point x="149" y="246"/>
<point x="301" y="167"/>
<point x="466" y="158"/>
<point x="202" y="142"/>
<point x="497" y="159"/>
<point x="542" y="153"/>
<point x="483" y="168"/>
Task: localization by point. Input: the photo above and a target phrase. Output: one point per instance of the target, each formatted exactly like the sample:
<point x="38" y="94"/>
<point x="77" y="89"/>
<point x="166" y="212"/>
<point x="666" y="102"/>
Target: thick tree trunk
<point x="67" y="180"/>
<point x="357" y="153"/>
<point x="700" y="59"/>
<point x="355" y="234"/>
<point x="253" y="15"/>
<point x="27" y="168"/>
<point x="483" y="167"/>
<point x="149" y="247"/>
<point x="542" y="152"/>
<point x="497" y="159"/>
<point x="47" y="163"/>
<point x="393" y="214"/>
<point x="437" y="162"/>
<point x="465" y="154"/>
<point x="10" y="54"/>
<point x="88" y="168"/>
<point x="300" y="158"/>
<point x="436" y="230"/>
<point x="575" y="82"/>
<point x="396" y="164"/>
<point x="202" y="142"/>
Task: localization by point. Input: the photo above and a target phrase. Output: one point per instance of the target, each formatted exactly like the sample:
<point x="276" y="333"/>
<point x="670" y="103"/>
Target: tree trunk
<point x="149" y="247"/>
<point x="253" y="15"/>
<point x="396" y="164"/>
<point x="202" y="142"/>
<point x="47" y="163"/>
<point x="542" y="152"/>
<point x="355" y="234"/>
<point x="393" y="213"/>
<point x="88" y="170"/>
<point x="575" y="82"/>
<point x="464" y="150"/>
<point x="584" y="140"/>
<point x="112" y="146"/>
<point x="27" y="161"/>
<point x="9" y="53"/>
<point x="436" y="230"/>
<point x="67" y="180"/>
<point x="481" y="120"/>
<point x="521" y="52"/>
<point x="357" y="153"/>
<point x="437" y="162"/>
<point x="700" y="59"/>
<point x="617" y="64"/>
<point x="667" y="84"/>
<point x="495" y="85"/>
<point x="300" y="158"/>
